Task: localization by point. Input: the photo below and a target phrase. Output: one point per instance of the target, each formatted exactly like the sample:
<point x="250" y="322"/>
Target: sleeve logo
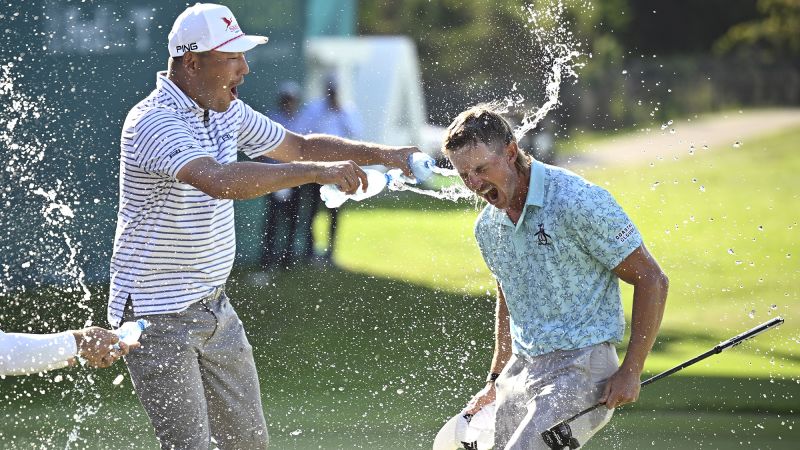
<point x="626" y="232"/>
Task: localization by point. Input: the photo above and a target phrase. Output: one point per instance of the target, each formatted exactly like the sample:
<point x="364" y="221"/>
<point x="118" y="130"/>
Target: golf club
<point x="559" y="436"/>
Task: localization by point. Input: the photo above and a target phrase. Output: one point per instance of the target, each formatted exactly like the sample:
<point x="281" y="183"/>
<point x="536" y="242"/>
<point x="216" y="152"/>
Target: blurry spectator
<point x="283" y="205"/>
<point x="326" y="115"/>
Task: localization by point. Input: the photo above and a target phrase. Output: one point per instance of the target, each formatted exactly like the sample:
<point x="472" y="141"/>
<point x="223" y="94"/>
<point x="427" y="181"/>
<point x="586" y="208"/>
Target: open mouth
<point x="489" y="193"/>
<point x="235" y="92"/>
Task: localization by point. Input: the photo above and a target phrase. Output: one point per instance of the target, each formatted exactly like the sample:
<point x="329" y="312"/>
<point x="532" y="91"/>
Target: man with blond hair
<point x="557" y="246"/>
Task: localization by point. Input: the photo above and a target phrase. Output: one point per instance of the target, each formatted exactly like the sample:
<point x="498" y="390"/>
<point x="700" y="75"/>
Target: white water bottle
<point x="129" y="332"/>
<point x="334" y="197"/>
<point x="421" y="166"/>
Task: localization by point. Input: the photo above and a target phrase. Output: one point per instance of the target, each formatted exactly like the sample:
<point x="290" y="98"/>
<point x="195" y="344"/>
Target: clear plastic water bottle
<point x="421" y="166"/>
<point x="129" y="332"/>
<point x="377" y="182"/>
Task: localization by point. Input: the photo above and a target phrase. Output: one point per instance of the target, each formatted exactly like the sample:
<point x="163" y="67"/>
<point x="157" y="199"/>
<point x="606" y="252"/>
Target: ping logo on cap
<point x="183" y="48"/>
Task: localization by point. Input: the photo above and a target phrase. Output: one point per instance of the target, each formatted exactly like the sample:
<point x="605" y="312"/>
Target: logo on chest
<point x="225" y="137"/>
<point x="542" y="238"/>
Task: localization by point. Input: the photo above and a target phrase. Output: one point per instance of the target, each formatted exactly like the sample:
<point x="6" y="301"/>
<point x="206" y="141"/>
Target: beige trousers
<point x="535" y="393"/>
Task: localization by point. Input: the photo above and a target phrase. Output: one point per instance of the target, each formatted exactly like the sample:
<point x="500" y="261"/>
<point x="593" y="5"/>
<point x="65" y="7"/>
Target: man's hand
<point x="345" y="174"/>
<point x="623" y="387"/>
<point x="484" y="397"/>
<point x="96" y="346"/>
<point x="399" y="158"/>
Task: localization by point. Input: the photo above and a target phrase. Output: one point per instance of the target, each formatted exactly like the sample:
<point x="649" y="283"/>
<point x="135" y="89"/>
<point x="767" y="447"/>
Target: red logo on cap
<point x="229" y="25"/>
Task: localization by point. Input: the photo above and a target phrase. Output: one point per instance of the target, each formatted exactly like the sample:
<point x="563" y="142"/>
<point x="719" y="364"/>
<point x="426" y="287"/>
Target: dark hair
<point x="482" y="124"/>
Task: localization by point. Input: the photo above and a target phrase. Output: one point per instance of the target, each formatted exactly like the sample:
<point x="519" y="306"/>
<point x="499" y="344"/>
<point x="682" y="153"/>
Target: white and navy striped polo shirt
<point x="174" y="244"/>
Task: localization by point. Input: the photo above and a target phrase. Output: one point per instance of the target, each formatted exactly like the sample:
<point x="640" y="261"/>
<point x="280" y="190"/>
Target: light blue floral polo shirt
<point x="555" y="265"/>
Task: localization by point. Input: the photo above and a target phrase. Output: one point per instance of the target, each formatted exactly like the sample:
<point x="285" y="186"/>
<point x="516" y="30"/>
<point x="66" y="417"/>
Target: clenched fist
<point x="345" y="174"/>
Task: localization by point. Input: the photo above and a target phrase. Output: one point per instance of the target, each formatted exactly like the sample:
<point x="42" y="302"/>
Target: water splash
<point x="551" y="31"/>
<point x="454" y="192"/>
<point x="45" y="254"/>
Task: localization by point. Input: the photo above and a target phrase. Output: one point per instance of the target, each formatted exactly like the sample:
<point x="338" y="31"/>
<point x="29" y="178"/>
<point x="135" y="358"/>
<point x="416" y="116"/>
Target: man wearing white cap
<point x="174" y="245"/>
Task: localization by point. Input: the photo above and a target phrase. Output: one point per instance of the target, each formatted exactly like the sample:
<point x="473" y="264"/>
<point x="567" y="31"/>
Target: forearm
<point x="323" y="147"/>
<point x="649" y="301"/>
<point x="22" y="354"/>
<point x="246" y="180"/>
<point x="502" y="344"/>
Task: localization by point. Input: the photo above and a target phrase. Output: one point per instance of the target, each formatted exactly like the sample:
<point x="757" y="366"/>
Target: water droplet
<point x="737" y="144"/>
<point x="761" y="228"/>
<point x="752" y="314"/>
<point x="118" y="380"/>
<point x="624" y="72"/>
<point x="702" y="188"/>
<point x="773" y="306"/>
<point x="730" y="251"/>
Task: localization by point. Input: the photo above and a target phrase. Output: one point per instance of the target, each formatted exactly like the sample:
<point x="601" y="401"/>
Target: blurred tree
<point x="776" y="34"/>
<point x="480" y="50"/>
<point x="645" y="60"/>
<point x="681" y="27"/>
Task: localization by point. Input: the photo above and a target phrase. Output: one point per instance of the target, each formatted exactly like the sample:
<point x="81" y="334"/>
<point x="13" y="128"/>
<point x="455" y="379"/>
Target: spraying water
<point x="47" y="255"/>
<point x="550" y="31"/>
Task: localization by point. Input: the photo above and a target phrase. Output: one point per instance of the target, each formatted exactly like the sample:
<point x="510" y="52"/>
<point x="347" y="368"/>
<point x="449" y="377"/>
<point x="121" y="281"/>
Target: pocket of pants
<point x="603" y="362"/>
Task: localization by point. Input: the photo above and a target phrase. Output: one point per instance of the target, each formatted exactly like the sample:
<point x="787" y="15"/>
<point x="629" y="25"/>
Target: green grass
<point x="380" y="353"/>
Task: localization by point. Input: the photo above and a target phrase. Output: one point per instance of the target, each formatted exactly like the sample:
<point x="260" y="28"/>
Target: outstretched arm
<point x="650" y="286"/>
<point x="24" y="354"/>
<point x="324" y="147"/>
<point x="246" y="180"/>
<point x="320" y="159"/>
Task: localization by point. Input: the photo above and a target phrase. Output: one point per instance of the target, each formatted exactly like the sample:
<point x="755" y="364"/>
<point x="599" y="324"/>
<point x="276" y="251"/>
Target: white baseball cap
<point x="476" y="431"/>
<point x="206" y="26"/>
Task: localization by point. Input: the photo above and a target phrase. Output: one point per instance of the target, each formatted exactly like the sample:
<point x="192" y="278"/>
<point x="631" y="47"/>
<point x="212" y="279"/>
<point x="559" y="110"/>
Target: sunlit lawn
<point x="378" y="354"/>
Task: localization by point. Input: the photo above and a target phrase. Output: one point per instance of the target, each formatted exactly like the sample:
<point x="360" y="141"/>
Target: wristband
<point x="492" y="377"/>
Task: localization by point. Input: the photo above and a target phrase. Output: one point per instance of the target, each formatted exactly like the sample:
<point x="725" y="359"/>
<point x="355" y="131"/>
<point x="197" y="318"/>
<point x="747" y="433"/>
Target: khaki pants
<point x="533" y="394"/>
<point x="196" y="378"/>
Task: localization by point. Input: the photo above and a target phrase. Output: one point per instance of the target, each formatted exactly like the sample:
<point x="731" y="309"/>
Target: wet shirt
<point x="555" y="265"/>
<point x="174" y="244"/>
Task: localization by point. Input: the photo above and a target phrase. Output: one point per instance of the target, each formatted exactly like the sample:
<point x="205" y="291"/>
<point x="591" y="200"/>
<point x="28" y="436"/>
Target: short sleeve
<point x="483" y="240"/>
<point x="602" y="227"/>
<point x="258" y="134"/>
<point x="160" y="142"/>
